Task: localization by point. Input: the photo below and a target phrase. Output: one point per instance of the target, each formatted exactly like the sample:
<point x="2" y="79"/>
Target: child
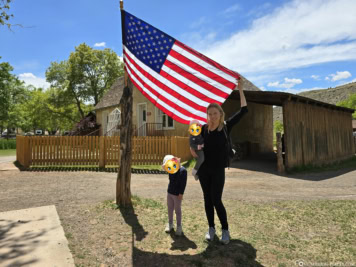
<point x="176" y="187"/>
<point x="196" y="142"/>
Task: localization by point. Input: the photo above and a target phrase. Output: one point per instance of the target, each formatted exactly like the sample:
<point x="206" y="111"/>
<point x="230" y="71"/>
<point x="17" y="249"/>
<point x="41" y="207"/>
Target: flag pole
<point x="123" y="182"/>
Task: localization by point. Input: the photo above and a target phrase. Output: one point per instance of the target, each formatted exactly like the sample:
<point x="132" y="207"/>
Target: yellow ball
<point x="195" y="129"/>
<point x="171" y="166"/>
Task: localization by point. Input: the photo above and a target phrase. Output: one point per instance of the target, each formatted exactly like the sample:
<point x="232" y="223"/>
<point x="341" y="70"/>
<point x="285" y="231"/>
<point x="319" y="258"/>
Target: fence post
<point x="280" y="165"/>
<point x="26" y="152"/>
<point x="18" y="138"/>
<point x="102" y="152"/>
<point x="173" y="146"/>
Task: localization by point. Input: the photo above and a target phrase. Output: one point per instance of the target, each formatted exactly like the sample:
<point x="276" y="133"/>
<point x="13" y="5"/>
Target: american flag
<point x="175" y="78"/>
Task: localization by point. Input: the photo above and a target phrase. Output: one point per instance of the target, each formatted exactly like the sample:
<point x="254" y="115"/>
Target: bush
<point x="7" y="144"/>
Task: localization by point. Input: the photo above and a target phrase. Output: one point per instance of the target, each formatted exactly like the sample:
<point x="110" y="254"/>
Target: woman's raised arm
<point x="241" y="91"/>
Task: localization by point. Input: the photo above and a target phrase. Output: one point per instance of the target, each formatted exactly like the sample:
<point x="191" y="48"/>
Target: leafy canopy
<point x="86" y="76"/>
<point x="349" y="103"/>
<point x="4" y="15"/>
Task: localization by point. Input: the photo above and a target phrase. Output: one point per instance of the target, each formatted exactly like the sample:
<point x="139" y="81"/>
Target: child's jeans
<point x="174" y="203"/>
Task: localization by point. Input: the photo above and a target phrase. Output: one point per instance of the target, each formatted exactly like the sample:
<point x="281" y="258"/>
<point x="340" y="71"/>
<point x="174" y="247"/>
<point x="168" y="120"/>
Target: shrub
<point x="7" y="144"/>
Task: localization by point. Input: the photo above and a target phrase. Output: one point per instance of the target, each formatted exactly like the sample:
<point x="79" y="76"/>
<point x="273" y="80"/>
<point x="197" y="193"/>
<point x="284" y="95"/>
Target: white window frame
<point x="114" y="120"/>
<point x="159" y="114"/>
<point x="141" y="133"/>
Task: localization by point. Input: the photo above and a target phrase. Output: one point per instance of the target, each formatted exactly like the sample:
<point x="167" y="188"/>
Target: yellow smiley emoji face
<point x="195" y="129"/>
<point x="171" y="166"/>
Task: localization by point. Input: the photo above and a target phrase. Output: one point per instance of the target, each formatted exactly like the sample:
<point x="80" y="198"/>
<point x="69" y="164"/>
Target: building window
<point x="113" y="121"/>
<point x="167" y="122"/>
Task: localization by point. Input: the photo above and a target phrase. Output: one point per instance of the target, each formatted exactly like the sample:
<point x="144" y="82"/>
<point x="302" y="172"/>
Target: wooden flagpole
<point x="123" y="182"/>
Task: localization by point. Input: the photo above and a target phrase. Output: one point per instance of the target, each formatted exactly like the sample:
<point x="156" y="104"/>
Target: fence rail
<point x="98" y="151"/>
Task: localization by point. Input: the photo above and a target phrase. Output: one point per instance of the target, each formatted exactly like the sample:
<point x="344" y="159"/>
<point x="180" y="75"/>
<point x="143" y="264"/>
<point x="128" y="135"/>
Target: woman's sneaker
<point x="179" y="231"/>
<point x="169" y="227"/>
<point x="225" y="238"/>
<point x="210" y="234"/>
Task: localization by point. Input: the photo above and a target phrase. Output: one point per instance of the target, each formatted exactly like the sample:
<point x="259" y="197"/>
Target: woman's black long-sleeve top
<point x="215" y="141"/>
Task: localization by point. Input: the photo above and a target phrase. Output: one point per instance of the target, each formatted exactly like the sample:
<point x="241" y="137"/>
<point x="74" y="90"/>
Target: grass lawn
<point x="7" y="152"/>
<point x="263" y="234"/>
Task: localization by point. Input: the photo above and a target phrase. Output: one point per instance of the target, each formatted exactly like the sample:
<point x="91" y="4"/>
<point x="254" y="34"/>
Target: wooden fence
<point x="103" y="151"/>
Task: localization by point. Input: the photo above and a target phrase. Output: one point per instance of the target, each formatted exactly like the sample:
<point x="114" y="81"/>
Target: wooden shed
<point x="315" y="133"/>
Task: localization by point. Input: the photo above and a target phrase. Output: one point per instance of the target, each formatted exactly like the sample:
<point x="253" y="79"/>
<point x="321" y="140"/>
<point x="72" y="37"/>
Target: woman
<point x="212" y="172"/>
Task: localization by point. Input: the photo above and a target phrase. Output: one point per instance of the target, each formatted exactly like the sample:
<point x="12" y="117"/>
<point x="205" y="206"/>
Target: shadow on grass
<point x="236" y="253"/>
<point x="181" y="243"/>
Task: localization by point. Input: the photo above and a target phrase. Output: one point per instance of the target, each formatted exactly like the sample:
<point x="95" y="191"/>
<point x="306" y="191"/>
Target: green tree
<point x="349" y="103"/>
<point x="278" y="127"/>
<point x="11" y="94"/>
<point x="86" y="76"/>
<point x="4" y="15"/>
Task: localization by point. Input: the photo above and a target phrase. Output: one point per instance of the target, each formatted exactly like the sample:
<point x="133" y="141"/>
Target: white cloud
<point x="293" y="81"/>
<point x="288" y="83"/>
<point x="340" y="75"/>
<point x="31" y="79"/>
<point x="273" y="84"/>
<point x="198" y="38"/>
<point x="300" y="33"/>
<point x="315" y="77"/>
<point x="102" y="44"/>
<point x="353" y="81"/>
<point x="231" y="9"/>
<point x="198" y="23"/>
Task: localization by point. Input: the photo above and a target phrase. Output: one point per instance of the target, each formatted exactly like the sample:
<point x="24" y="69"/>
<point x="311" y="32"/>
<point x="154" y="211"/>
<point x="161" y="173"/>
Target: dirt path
<point x="19" y="190"/>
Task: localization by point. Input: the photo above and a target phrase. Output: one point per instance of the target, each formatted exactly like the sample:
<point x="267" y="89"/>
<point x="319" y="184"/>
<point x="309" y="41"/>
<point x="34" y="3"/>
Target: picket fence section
<point x="103" y="151"/>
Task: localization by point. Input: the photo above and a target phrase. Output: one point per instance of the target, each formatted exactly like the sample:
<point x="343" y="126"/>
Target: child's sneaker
<point x="225" y="238"/>
<point x="169" y="227"/>
<point x="179" y="231"/>
<point x="210" y="234"/>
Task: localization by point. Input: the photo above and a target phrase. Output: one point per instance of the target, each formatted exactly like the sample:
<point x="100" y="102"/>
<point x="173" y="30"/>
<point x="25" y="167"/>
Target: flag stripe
<point x="161" y="104"/>
<point x="222" y="83"/>
<point x="204" y="61"/>
<point x="198" y="95"/>
<point x="170" y="83"/>
<point x="157" y="88"/>
<point x="186" y="73"/>
<point x="191" y="85"/>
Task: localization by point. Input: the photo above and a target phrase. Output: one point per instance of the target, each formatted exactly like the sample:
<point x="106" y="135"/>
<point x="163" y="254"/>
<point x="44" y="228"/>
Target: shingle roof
<point x="113" y="96"/>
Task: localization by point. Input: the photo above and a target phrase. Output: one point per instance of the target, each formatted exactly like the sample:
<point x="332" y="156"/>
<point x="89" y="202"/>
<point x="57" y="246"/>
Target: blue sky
<point x="288" y="46"/>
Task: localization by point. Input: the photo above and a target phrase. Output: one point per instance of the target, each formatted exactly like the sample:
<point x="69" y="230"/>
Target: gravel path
<point x="23" y="189"/>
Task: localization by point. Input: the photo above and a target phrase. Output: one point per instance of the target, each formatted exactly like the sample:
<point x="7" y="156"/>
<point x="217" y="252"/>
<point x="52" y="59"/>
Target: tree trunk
<point x="77" y="101"/>
<point x="123" y="183"/>
<point x="280" y="164"/>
